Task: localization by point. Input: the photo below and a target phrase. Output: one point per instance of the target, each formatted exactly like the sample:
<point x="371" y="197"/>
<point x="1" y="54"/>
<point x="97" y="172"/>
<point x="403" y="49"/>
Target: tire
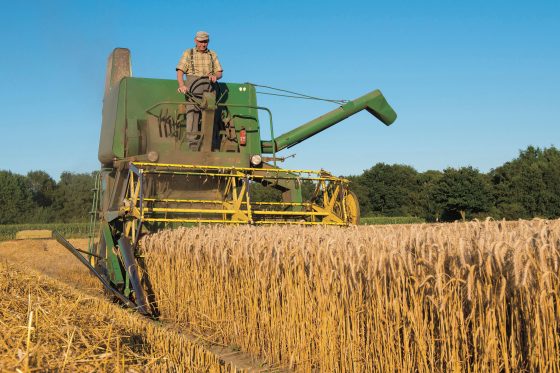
<point x="352" y="208"/>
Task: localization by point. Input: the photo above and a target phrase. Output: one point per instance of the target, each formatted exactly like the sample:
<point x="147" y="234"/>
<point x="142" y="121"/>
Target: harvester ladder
<point x="93" y="214"/>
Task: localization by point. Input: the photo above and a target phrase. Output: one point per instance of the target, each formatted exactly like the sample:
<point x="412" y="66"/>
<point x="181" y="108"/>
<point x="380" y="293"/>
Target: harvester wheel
<point x="199" y="85"/>
<point x="352" y="208"/>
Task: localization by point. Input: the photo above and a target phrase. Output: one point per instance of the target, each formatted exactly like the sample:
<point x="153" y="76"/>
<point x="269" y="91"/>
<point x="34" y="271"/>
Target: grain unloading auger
<point x="155" y="173"/>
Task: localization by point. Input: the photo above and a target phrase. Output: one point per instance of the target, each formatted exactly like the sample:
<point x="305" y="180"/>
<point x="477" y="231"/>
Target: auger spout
<point x="374" y="102"/>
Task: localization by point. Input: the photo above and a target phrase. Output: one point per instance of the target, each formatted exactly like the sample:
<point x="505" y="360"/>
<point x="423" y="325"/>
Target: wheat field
<point x="462" y="297"/>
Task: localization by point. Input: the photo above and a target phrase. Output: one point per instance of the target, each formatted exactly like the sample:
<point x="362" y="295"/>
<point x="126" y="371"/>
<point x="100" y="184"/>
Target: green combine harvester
<point x="157" y="174"/>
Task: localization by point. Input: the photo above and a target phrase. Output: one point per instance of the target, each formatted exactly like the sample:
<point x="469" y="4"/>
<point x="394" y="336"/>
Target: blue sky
<point x="472" y="82"/>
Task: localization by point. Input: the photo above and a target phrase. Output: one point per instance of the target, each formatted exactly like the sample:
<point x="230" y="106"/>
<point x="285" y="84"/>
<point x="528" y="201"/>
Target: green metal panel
<point x="119" y="145"/>
<point x="113" y="266"/>
<point x="107" y="141"/>
<point x="142" y="93"/>
<point x="243" y="101"/>
<point x="112" y="139"/>
<point x="125" y="110"/>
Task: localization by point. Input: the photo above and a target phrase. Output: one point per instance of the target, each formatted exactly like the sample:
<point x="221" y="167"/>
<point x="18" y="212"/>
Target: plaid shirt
<point x="201" y="63"/>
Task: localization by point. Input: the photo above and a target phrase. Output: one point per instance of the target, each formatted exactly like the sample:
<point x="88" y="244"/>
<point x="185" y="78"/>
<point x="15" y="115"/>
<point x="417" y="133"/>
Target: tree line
<point x="38" y="198"/>
<point x="525" y="187"/>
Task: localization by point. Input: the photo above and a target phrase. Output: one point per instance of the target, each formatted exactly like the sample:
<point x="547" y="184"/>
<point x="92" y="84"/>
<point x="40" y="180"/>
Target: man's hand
<point x="212" y="78"/>
<point x="182" y="89"/>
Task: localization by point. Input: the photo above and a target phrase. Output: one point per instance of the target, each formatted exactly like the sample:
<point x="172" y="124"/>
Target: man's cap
<point x="202" y="36"/>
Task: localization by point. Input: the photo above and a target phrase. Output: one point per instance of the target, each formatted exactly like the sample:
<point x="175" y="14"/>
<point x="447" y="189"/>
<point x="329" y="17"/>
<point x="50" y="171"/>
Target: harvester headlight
<point x="153" y="156"/>
<point x="256" y="160"/>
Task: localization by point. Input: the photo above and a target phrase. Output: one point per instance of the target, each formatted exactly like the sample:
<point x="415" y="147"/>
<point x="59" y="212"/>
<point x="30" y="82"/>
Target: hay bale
<point x="34" y="234"/>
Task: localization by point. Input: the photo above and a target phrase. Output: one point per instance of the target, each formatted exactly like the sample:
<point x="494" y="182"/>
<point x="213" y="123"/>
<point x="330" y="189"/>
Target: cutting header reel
<point x="158" y="194"/>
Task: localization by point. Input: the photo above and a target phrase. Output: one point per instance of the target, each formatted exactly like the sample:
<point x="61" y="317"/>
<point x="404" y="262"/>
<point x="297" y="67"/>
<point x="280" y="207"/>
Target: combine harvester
<point x="156" y="174"/>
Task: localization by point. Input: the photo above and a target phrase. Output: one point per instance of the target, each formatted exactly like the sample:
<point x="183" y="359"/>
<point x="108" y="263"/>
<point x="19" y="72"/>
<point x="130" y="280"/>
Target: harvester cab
<point x="169" y="159"/>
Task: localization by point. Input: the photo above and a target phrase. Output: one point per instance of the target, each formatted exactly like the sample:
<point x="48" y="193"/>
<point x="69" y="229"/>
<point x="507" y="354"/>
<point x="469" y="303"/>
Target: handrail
<point x="270" y="119"/>
<point x="199" y="103"/>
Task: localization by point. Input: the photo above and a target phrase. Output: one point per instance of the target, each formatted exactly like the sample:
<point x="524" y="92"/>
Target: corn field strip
<point x="69" y="230"/>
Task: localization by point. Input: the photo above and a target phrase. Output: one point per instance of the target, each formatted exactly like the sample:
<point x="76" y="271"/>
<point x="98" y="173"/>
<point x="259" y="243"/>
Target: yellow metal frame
<point x="234" y="204"/>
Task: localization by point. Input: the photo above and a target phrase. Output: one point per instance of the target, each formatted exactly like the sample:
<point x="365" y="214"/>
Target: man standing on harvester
<point x="203" y="69"/>
<point x="198" y="61"/>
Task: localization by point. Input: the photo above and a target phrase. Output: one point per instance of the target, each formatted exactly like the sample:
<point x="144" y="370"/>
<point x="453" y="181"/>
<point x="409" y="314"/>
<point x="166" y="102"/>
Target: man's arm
<point x="216" y="76"/>
<point x="182" y="87"/>
<point x="182" y="69"/>
<point x="217" y="68"/>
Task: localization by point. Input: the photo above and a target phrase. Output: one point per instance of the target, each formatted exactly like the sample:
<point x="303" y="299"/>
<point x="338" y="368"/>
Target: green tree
<point x="307" y="189"/>
<point x="73" y="197"/>
<point x="461" y="191"/>
<point x="42" y="187"/>
<point x="16" y="203"/>
<point x="391" y="189"/>
<point x="426" y="206"/>
<point x="529" y="185"/>
<point x="261" y="193"/>
<point x="358" y="186"/>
